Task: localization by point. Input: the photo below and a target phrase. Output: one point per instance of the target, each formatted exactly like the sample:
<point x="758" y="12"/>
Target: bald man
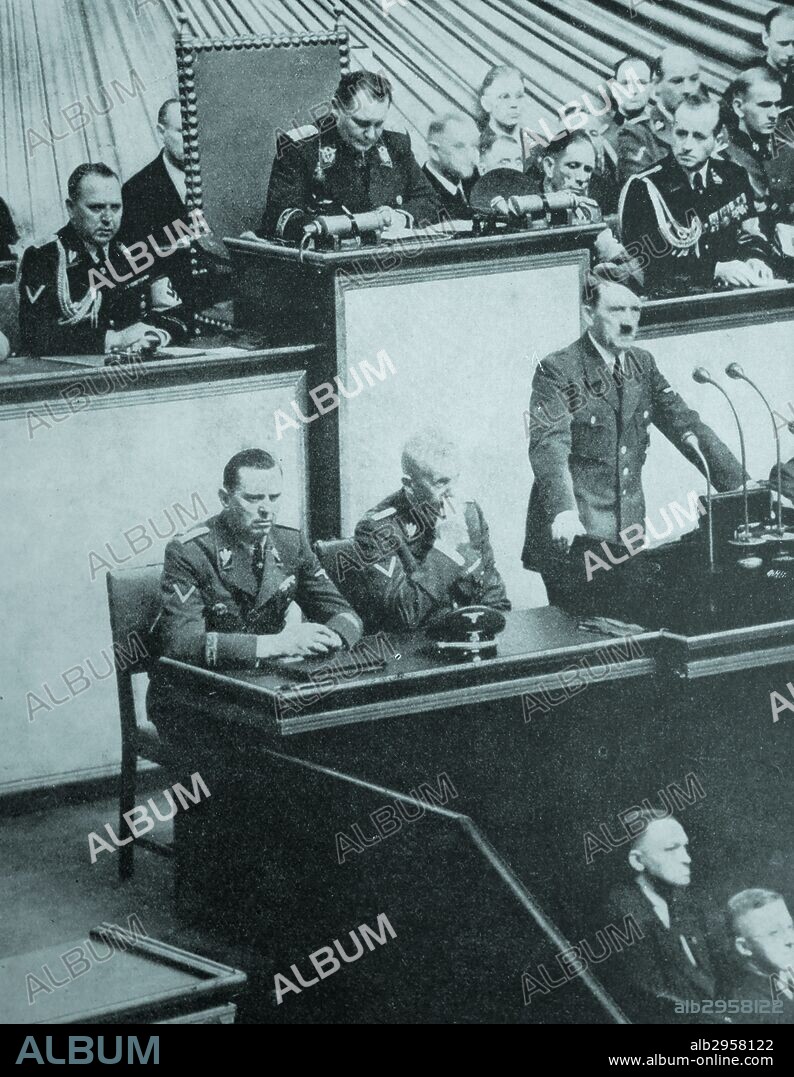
<point x="676" y="76"/>
<point x="453" y="141"/>
<point x="425" y="550"/>
<point x="671" y="963"/>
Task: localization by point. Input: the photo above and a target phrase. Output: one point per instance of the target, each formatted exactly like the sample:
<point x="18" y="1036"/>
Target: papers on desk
<point x="193" y="353"/>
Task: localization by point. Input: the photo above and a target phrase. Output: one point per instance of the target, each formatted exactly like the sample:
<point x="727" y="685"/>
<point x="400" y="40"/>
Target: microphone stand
<point x="691" y="440"/>
<point x="735" y="371"/>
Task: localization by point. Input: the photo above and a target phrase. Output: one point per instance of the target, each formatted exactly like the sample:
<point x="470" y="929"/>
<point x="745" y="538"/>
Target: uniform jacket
<point x="587" y="454"/>
<point x="722" y="208"/>
<point x="769" y="162"/>
<point x="319" y="173"/>
<point x="212" y="611"/>
<point x="654" y="972"/>
<point x="408" y="578"/>
<point x="788" y="85"/>
<point x="56" y="313"/>
<point x="643" y="142"/>
<point x="456" y="207"/>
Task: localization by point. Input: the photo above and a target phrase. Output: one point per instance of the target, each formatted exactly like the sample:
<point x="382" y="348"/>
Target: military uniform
<point x="316" y="172"/>
<point x="407" y="575"/>
<point x="212" y="609"/>
<point x="787" y="80"/>
<point x="689" y="231"/>
<point x="769" y="162"/>
<point x="59" y="314"/>
<point x="642" y="142"/>
<point x="587" y="451"/>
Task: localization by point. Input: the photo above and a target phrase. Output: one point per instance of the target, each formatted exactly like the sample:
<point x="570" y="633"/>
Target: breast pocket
<point x="591" y="440"/>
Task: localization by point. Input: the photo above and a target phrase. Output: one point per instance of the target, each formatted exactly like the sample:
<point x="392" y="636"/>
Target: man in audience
<point x="591" y="409"/>
<point x="348" y="162"/>
<point x="154" y="199"/>
<point x="499" y="151"/>
<point x="763" y="935"/>
<point x="751" y="108"/>
<point x="453" y="140"/>
<point x="426" y="550"/>
<point x="778" y="39"/>
<point x="675" y="77"/>
<point x="227" y="585"/>
<point x="671" y="962"/>
<point x="696" y="213"/>
<point x="80" y="293"/>
<point x="8" y="233"/>
<point x="630" y="90"/>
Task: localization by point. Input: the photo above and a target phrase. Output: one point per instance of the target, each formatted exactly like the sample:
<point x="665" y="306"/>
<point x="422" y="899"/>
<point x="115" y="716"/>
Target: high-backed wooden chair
<point x="133" y="601"/>
<point x="342" y="561"/>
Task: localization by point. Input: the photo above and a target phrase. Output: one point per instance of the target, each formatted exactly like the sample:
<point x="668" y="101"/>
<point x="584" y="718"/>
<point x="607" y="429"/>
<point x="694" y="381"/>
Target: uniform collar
<point x="446" y="183"/>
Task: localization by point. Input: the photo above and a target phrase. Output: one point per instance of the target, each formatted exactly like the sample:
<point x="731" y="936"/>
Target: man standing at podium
<point x="349" y="163"/>
<point x="591" y="408"/>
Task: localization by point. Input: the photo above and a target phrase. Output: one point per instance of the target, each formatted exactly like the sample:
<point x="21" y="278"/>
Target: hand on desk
<point x="750" y="274"/>
<point x="302" y="640"/>
<point x="566" y="527"/>
<point x="140" y="336"/>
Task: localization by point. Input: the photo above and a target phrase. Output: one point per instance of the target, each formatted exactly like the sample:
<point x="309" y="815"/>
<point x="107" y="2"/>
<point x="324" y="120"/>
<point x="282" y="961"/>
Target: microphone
<point x="691" y="440"/>
<point x="348" y="225"/>
<point x="735" y="371"/>
<point x="702" y="377"/>
<point x="535" y="205"/>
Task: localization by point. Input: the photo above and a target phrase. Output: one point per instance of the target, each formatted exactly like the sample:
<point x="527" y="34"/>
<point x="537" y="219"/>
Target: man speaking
<point x="592" y="404"/>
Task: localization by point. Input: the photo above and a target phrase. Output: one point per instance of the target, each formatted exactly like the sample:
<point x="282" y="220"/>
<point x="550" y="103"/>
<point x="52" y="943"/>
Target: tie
<point x="617" y="374"/>
<point x="258" y="563"/>
<point x="698" y="183"/>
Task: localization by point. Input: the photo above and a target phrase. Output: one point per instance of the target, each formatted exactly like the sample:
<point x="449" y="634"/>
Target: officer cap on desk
<point x="499" y="184"/>
<point x="467" y="634"/>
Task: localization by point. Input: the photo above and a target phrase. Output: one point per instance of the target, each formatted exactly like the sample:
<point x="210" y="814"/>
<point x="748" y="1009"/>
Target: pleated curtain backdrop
<point x="83" y="80"/>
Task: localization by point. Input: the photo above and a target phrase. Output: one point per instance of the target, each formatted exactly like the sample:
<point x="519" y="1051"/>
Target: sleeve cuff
<point x="348" y="626"/>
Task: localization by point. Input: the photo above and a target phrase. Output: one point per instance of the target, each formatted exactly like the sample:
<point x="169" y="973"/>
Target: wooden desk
<point x="117" y="978"/>
<point x="533" y="773"/>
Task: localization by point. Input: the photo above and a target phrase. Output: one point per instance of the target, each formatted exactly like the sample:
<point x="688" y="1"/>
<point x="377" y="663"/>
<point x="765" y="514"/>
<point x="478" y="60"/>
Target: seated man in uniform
<point x="752" y="108"/>
<point x="696" y="213"/>
<point x="350" y="163"/>
<point x="778" y="39"/>
<point x="80" y="293"/>
<point x="227" y="585"/>
<point x="425" y="551"/>
<point x="675" y="77"/>
<point x="453" y="140"/>
<point x="671" y="962"/>
<point x="763" y="935"/>
<point x="591" y="408"/>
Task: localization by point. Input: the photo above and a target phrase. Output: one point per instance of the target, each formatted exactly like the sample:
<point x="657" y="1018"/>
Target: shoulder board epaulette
<point x="195" y="532"/>
<point x="384" y="514"/>
<point x="309" y="130"/>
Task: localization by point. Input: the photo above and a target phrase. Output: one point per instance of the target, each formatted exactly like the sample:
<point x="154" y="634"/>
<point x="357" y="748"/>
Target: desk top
<point x="538" y="649"/>
<point x="27" y="378"/>
<point x="116" y="976"/>
<point x="444" y="245"/>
